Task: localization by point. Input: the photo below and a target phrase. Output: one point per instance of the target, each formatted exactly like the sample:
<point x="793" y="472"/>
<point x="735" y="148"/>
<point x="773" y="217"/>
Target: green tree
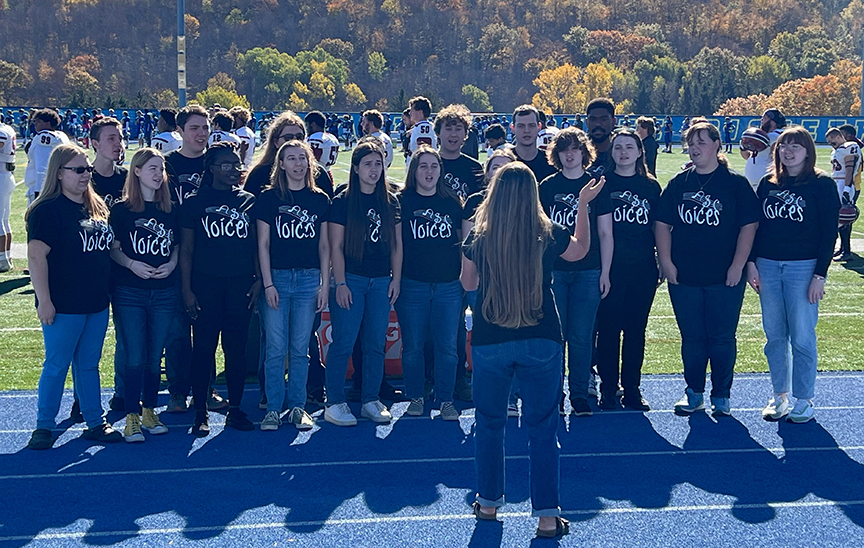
<point x="354" y="96"/>
<point x="714" y="75"/>
<point x="225" y="97"/>
<point x="269" y="74"/>
<point x="377" y="65"/>
<point x="476" y="99"/>
<point x="764" y="73"/>
<point x="12" y="77"/>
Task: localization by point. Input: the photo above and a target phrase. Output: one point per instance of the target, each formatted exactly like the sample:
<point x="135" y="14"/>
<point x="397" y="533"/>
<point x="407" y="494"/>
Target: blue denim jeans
<point x="789" y="321"/>
<point x="420" y="306"/>
<point x="143" y="320"/>
<point x="74" y="339"/>
<point x="577" y="296"/>
<point x="708" y="320"/>
<point x="288" y="330"/>
<point x="371" y="310"/>
<point x="537" y="365"/>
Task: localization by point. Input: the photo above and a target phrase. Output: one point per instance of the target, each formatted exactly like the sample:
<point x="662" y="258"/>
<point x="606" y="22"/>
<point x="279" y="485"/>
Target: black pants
<point x="224" y="310"/>
<point x="315" y="380"/>
<point x="626" y="309"/>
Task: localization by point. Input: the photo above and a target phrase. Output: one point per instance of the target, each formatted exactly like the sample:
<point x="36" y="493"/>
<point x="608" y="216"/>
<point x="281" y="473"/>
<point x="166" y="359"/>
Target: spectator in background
<point x="728" y="128"/>
<point x="645" y="130"/>
<point x="601" y="121"/>
<point x="667" y="134"/>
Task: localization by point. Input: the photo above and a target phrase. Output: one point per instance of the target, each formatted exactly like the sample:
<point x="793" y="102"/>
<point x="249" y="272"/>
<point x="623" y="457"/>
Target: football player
<point x="547" y="132"/>
<point x="47" y="137"/>
<point x="7" y="186"/>
<point x="422" y="132"/>
<point x="167" y="140"/>
<point x="843" y="164"/>
<point x="773" y="122"/>
<point x="241" y="118"/>
<point x="324" y="145"/>
<point x="222" y="124"/>
<point x="371" y="121"/>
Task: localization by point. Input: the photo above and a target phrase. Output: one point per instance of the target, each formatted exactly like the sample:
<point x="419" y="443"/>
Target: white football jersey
<point x="7" y="145"/>
<point x="247" y="136"/>
<point x="325" y="146"/>
<point x="219" y="136"/>
<point x="758" y="165"/>
<point x="167" y="141"/>
<point x="41" y="147"/>
<point x="544" y="138"/>
<point x="388" y="146"/>
<point x="422" y="134"/>
<point x="838" y="163"/>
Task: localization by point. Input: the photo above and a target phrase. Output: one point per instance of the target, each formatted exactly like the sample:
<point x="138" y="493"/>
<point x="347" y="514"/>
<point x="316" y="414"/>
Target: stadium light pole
<point x="181" y="53"/>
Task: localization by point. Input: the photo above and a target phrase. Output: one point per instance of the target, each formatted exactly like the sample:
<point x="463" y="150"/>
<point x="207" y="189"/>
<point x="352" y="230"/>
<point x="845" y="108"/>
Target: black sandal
<point x="562" y="527"/>
<point x="479" y="514"/>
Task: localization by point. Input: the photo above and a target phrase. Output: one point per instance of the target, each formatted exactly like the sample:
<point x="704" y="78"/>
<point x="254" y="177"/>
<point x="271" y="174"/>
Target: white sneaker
<point x="777" y="408"/>
<point x="340" y="415"/>
<point x="271" y="421"/>
<point x="415" y="408"/>
<point x="301" y="419"/>
<point x="375" y="411"/>
<point x="802" y="412"/>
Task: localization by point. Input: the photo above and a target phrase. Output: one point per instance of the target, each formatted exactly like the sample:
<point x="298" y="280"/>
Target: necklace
<point x="708" y="180"/>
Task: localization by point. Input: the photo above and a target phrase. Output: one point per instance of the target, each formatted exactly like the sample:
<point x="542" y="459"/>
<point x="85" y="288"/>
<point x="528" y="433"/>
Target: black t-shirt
<point x="601" y="165"/>
<point x="79" y="262"/>
<point x="429" y="240"/>
<point x="549" y="326"/>
<point x="464" y="175"/>
<point x="560" y="199"/>
<point x="634" y="200"/>
<point x="184" y="175"/>
<point x="259" y="177"/>
<point x="706" y="213"/>
<point x="225" y="239"/>
<point x="295" y="226"/>
<point x="110" y="188"/>
<point x="650" y="145"/>
<point x="799" y="221"/>
<point x="148" y="236"/>
<point x="376" y="252"/>
<point x="471" y="205"/>
<point x="540" y="166"/>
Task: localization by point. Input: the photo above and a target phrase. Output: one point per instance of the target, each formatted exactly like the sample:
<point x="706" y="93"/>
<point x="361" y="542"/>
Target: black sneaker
<point x="103" y="434"/>
<point x="75" y="415"/>
<point x="463" y="391"/>
<point x="201" y="428"/>
<point x="117" y="403"/>
<point x="634" y="400"/>
<point x="610" y="402"/>
<point x="316" y="397"/>
<point x="41" y="440"/>
<point x="581" y="407"/>
<point x="237" y="419"/>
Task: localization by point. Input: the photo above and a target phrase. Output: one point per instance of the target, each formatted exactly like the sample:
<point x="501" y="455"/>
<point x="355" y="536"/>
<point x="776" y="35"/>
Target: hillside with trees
<point x="651" y="56"/>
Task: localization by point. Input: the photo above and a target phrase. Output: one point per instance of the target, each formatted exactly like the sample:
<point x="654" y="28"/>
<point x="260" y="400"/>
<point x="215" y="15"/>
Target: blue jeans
<point x="371" y="309"/>
<point x="577" y="296"/>
<point x="708" y="319"/>
<point x="74" y="339"/>
<point x="288" y="329"/>
<point x="143" y="319"/>
<point x="420" y="306"/>
<point x="789" y="321"/>
<point x="537" y="365"/>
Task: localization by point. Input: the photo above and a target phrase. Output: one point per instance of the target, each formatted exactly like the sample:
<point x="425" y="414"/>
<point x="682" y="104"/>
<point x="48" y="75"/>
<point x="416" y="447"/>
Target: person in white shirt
<point x="759" y="164"/>
<point x="324" y="145"/>
<point x="46" y="139"/>
<point x="7" y="186"/>
<point x="241" y="118"/>
<point x="422" y="132"/>
<point x="167" y="140"/>
<point x="371" y="122"/>
<point x="844" y="160"/>
<point x="547" y="132"/>
<point x="223" y="123"/>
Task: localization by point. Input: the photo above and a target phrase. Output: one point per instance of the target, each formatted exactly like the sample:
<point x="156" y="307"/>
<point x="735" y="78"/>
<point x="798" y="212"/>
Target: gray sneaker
<point x="301" y="419"/>
<point x="802" y="412"/>
<point x="271" y="421"/>
<point x="720" y="407"/>
<point x="448" y="412"/>
<point x="691" y="402"/>
<point x="415" y="408"/>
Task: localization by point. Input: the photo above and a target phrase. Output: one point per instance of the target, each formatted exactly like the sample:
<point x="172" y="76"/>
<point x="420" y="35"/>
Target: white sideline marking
<point x="419" y="519"/>
<point x="392" y="462"/>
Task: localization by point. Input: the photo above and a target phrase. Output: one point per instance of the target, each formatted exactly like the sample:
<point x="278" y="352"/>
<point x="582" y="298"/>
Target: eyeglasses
<point x="232" y="166"/>
<point x="291" y="136"/>
<point x="80" y="169"/>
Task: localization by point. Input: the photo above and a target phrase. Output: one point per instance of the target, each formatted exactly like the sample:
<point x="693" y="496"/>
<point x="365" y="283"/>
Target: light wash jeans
<point x="288" y="330"/>
<point x="537" y="365"/>
<point x="577" y="296"/>
<point x="371" y="310"/>
<point x="789" y="321"/>
<point x="74" y="339"/>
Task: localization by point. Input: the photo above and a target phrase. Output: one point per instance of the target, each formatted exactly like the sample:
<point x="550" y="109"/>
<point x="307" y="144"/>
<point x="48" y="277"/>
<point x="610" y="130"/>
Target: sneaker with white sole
<point x="340" y="415"/>
<point x="262" y="403"/>
<point x="802" y="412"/>
<point x="512" y="409"/>
<point x="449" y="412"/>
<point x="132" y="433"/>
<point x="720" y="407"/>
<point x="415" y="408"/>
<point x="690" y="403"/>
<point x="151" y="423"/>
<point x="376" y="411"/>
<point x="271" y="421"/>
<point x="301" y="419"/>
<point x="777" y="408"/>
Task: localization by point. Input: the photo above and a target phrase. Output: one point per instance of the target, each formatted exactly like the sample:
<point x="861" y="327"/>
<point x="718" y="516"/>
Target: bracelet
<point x="818" y="277"/>
<point x="268" y="286"/>
<point x="341" y="283"/>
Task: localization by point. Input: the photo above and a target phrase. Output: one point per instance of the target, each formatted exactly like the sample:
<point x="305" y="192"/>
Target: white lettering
<point x="297" y="230"/>
<point x="442" y="229"/>
<point x="224" y="227"/>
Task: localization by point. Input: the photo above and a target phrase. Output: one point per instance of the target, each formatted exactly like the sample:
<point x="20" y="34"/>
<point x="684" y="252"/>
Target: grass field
<point x="839" y="331"/>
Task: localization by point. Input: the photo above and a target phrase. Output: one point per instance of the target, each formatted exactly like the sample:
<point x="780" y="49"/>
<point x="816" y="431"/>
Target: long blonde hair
<point x="287" y="118"/>
<point x="133" y="199"/>
<point x="51" y="188"/>
<point x="511" y="233"/>
<point x="278" y="179"/>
